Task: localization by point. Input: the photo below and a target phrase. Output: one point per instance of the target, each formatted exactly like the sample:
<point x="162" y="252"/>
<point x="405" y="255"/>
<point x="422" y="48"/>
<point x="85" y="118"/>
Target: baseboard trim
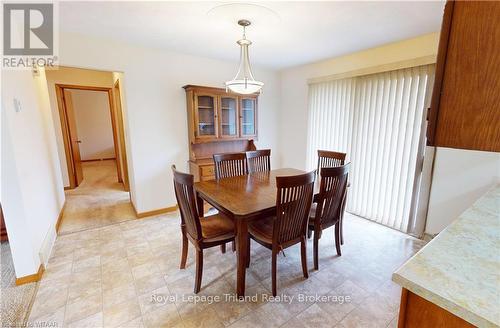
<point x="59" y="218"/>
<point x="32" y="277"/>
<point x="428" y="237"/>
<point x="159" y="211"/>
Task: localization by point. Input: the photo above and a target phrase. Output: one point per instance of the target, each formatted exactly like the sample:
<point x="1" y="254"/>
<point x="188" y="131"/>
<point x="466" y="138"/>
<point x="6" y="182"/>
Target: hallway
<point x="100" y="200"/>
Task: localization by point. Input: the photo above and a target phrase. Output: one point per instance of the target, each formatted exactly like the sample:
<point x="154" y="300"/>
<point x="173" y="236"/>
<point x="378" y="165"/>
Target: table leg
<point x="241" y="253"/>
<point x="199" y="204"/>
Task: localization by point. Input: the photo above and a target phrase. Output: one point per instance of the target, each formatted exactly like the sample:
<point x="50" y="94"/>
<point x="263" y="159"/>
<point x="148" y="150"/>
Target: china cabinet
<point x="218" y="122"/>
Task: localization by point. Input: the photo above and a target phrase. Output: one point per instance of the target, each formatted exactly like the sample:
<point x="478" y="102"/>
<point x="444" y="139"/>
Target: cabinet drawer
<point x="207" y="177"/>
<point x="207" y="170"/>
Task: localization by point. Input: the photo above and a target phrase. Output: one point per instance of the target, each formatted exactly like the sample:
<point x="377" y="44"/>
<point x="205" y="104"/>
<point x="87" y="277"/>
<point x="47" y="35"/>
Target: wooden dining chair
<point x="259" y="160"/>
<point x="327" y="158"/>
<point x="289" y="226"/>
<point x="230" y="165"/>
<point x="213" y="230"/>
<point x="329" y="206"/>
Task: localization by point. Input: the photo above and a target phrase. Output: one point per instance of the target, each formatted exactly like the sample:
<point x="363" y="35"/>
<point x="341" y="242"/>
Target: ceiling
<point x="297" y="32"/>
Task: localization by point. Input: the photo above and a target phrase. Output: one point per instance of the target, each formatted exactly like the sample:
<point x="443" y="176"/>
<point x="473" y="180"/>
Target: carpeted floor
<point x="15" y="300"/>
<point x="100" y="200"/>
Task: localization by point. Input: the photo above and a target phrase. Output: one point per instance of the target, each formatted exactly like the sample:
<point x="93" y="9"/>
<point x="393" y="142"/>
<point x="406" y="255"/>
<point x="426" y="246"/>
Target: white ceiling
<point x="304" y="32"/>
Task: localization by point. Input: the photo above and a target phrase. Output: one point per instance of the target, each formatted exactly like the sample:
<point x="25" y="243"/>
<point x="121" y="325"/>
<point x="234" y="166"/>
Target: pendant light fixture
<point x="244" y="82"/>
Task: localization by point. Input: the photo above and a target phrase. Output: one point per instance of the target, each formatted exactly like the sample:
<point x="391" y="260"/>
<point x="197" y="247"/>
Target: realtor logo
<point x="30" y="37"/>
<point x="28" y="29"/>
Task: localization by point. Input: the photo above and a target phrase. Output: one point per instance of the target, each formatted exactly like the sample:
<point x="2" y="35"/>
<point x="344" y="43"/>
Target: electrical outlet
<point x="17" y="105"/>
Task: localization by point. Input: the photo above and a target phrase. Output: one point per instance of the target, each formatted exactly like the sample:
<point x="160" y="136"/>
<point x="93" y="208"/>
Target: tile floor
<point x="98" y="201"/>
<point x="127" y="275"/>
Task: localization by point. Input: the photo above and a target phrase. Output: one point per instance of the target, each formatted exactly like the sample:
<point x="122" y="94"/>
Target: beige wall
<point x="294" y="88"/>
<point x="93" y="122"/>
<point x="73" y="76"/>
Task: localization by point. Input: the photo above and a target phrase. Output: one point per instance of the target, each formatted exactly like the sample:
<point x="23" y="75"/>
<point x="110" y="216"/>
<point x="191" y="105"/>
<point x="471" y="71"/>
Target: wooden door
<point x="205" y="116"/>
<point x="73" y="137"/>
<point x="248" y="117"/>
<point x="228" y="117"/>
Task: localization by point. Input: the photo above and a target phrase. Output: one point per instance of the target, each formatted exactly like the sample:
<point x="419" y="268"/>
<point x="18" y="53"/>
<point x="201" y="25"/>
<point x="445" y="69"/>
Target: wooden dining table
<point x="243" y="198"/>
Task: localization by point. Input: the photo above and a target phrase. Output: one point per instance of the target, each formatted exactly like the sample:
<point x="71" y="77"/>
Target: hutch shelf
<point x="218" y="122"/>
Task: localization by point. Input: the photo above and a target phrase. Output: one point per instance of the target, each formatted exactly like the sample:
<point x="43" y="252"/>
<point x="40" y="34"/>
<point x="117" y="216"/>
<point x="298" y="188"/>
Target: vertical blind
<point x="377" y="120"/>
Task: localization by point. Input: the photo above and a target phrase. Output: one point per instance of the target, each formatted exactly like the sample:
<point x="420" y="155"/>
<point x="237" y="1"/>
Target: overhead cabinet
<point x="465" y="108"/>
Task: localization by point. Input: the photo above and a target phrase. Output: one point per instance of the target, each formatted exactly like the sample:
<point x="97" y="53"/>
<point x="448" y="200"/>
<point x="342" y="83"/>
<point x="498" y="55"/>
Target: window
<point x="377" y="120"/>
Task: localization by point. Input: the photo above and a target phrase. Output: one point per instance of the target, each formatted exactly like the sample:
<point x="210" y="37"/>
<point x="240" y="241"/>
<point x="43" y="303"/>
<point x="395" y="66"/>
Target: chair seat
<point x="217" y="227"/>
<point x="262" y="229"/>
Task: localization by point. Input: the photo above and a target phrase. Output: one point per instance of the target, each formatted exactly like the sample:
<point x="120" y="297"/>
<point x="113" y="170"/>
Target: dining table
<point x="243" y="199"/>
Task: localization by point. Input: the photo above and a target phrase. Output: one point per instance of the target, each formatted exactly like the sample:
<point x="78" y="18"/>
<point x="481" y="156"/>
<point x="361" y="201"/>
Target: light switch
<point x="17" y="105"/>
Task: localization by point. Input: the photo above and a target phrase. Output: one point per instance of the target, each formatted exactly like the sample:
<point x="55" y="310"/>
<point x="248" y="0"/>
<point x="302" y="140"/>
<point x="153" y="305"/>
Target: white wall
<point x="460" y="177"/>
<point x="93" y="124"/>
<point x="294" y="88"/>
<point x="155" y="110"/>
<point x="32" y="189"/>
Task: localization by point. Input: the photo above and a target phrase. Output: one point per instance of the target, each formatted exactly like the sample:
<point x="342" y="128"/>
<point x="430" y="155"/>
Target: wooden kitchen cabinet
<point x="417" y="312"/>
<point x="465" y="106"/>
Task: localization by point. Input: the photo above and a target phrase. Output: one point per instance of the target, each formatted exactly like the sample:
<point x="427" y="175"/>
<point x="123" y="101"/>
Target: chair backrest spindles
<point x="184" y="192"/>
<point x="259" y="160"/>
<point x="230" y="165"/>
<point x="328" y="158"/>
<point x="332" y="192"/>
<point x="293" y="202"/>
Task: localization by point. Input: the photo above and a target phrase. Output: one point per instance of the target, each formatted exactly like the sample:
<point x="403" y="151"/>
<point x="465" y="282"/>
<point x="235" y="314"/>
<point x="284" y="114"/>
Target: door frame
<point x="117" y="91"/>
<point x="63" y="116"/>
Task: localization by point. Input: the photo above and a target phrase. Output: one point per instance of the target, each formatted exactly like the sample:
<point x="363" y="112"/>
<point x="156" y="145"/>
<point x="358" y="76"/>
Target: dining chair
<point x="259" y="160"/>
<point x="289" y="226"/>
<point x="213" y="230"/>
<point x="327" y="158"/>
<point x="329" y="206"/>
<point x="229" y="165"/>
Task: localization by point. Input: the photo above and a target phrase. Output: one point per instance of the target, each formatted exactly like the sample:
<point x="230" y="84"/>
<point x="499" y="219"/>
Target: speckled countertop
<point x="459" y="270"/>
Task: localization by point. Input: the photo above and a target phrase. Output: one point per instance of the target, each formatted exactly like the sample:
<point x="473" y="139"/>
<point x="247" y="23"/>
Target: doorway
<point x="92" y="127"/>
<point x="71" y="137"/>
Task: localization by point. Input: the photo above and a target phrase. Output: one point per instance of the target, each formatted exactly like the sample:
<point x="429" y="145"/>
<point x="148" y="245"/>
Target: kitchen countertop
<point x="459" y="270"/>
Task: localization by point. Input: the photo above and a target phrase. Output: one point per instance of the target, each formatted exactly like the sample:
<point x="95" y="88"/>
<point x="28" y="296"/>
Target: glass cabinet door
<point x="228" y="117"/>
<point x="205" y="116"/>
<point x="248" y="117"/>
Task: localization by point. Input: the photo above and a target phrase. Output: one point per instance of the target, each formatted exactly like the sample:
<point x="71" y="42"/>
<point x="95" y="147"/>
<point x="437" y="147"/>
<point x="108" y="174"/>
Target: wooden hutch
<point x="218" y="122"/>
